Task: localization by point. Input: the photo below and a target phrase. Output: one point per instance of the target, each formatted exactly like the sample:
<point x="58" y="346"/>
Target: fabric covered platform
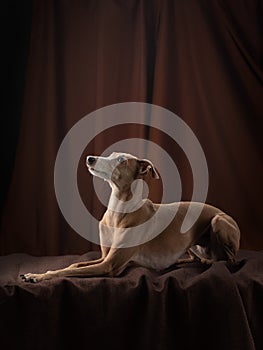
<point x="188" y="307"/>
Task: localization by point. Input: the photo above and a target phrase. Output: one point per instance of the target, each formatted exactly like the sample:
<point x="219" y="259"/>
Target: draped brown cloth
<point x="193" y="306"/>
<point x="200" y="59"/>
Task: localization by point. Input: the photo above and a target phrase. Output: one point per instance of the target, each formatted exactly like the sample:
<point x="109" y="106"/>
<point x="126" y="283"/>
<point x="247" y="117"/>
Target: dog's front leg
<point x="115" y="261"/>
<point x="104" y="252"/>
<point x="99" y="269"/>
<point x="85" y="263"/>
<point x="36" y="277"/>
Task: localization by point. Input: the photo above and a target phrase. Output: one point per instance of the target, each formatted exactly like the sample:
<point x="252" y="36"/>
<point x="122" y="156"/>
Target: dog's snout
<point x="91" y="160"/>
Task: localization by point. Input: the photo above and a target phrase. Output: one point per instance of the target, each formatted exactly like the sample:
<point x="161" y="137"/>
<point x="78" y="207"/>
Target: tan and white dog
<point x="134" y="229"/>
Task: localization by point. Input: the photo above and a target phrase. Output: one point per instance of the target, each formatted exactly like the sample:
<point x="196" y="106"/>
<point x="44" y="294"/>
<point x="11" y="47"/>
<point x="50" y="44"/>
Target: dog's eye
<point x="121" y="159"/>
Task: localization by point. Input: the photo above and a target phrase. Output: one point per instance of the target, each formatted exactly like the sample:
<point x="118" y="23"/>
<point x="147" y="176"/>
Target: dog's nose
<point x="90" y="160"/>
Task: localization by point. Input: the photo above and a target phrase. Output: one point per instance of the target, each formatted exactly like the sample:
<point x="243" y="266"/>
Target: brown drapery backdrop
<point x="200" y="59"/>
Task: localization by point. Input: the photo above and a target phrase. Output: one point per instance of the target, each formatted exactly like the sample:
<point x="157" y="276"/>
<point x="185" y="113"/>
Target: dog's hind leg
<point x="225" y="236"/>
<point x="192" y="257"/>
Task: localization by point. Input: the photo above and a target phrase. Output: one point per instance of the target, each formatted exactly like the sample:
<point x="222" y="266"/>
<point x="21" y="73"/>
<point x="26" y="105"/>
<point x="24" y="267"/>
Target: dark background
<point x="64" y="59"/>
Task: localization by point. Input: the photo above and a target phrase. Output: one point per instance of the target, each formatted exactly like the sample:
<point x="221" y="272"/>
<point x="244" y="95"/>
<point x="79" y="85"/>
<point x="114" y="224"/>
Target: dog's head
<point x="120" y="168"/>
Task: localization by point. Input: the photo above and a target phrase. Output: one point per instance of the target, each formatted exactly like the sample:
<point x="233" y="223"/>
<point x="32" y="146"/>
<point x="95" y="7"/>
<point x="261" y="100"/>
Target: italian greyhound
<point x="213" y="236"/>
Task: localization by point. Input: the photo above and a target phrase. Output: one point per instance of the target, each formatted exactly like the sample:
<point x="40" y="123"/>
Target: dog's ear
<point x="146" y="166"/>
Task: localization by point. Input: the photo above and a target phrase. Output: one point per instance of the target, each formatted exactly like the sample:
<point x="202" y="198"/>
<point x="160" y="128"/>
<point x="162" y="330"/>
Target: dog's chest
<point x="156" y="261"/>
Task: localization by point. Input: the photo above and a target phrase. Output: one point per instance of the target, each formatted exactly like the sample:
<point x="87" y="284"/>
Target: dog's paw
<point x="31" y="277"/>
<point x="206" y="261"/>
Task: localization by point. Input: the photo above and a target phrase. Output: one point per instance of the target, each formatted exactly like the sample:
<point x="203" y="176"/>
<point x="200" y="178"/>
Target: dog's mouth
<point x="98" y="173"/>
<point x="93" y="170"/>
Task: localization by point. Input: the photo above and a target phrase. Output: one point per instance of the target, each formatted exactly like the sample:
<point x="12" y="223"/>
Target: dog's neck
<point x="126" y="200"/>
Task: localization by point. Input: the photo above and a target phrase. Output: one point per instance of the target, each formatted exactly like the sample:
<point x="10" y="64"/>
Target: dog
<point x="214" y="235"/>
